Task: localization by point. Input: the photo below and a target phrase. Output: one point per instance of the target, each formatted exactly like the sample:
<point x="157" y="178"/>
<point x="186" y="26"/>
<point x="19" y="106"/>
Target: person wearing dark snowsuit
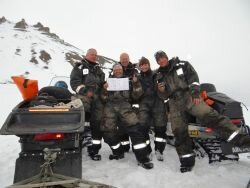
<point x="128" y="71"/>
<point x="146" y="101"/>
<point x="160" y="116"/>
<point x="87" y="80"/>
<point x="178" y="82"/>
<point x="118" y="112"/>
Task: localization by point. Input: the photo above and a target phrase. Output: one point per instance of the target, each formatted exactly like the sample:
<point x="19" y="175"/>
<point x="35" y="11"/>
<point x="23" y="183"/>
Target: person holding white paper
<point x="118" y="113"/>
<point x="129" y="70"/>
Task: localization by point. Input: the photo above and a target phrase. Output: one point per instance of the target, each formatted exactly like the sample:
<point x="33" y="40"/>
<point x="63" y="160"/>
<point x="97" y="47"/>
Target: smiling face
<point x="163" y="62"/>
<point x="124" y="59"/>
<point x="144" y="67"/>
<point x="117" y="71"/>
<point x="91" y="55"/>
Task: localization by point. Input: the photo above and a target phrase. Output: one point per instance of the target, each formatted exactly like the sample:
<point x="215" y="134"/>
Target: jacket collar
<point x="89" y="63"/>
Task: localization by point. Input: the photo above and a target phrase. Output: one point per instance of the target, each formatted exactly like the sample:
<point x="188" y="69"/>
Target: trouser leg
<point x="160" y="123"/>
<point x="124" y="138"/>
<point x="221" y="124"/>
<point x="110" y="131"/>
<point x="96" y="138"/>
<point x="211" y="118"/>
<point x="112" y="139"/>
<point x="139" y="144"/>
<point x="183" y="143"/>
<point x="131" y="123"/>
<point x="95" y="125"/>
<point x="160" y="139"/>
<point x="145" y="132"/>
<point x="149" y="148"/>
<point x="144" y="120"/>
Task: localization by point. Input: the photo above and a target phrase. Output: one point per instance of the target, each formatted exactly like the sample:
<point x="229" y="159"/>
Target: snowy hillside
<point x="35" y="52"/>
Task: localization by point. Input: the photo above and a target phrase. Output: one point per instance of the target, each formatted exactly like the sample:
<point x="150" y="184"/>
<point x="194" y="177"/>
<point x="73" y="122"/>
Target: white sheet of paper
<point x="118" y="84"/>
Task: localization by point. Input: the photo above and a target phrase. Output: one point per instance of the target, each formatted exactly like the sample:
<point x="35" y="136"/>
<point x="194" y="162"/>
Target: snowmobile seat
<point x="60" y="93"/>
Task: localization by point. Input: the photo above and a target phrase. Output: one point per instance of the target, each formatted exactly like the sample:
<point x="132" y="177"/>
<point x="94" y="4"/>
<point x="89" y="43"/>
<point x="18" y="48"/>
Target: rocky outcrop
<point x="73" y="57"/>
<point x="45" y="56"/>
<point x="33" y="60"/>
<point x="21" y="25"/>
<point x="2" y="20"/>
<point x="40" y="27"/>
<point x="45" y="30"/>
<point x="18" y="50"/>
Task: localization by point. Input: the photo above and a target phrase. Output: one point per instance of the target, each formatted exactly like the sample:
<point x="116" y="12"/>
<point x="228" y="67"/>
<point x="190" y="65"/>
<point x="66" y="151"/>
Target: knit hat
<point x="159" y="54"/>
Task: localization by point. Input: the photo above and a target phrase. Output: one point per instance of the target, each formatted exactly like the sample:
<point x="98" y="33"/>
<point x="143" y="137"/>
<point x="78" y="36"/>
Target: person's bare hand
<point x="105" y="86"/>
<point x="135" y="79"/>
<point x="90" y="94"/>
<point x="161" y="87"/>
<point x="196" y="101"/>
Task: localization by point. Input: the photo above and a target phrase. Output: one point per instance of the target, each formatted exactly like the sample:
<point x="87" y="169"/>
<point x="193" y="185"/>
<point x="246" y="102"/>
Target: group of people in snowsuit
<point x="170" y="93"/>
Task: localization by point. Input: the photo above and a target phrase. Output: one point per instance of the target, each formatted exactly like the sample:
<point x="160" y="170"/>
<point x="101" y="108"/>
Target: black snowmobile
<point x="206" y="141"/>
<point x="50" y="127"/>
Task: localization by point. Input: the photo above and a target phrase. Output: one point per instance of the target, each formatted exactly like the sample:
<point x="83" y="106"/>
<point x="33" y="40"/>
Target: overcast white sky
<point x="214" y="35"/>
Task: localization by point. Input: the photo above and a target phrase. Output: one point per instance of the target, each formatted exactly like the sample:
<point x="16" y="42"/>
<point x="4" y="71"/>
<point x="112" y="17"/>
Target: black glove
<point x="159" y="77"/>
<point x="82" y="91"/>
<point x="195" y="91"/>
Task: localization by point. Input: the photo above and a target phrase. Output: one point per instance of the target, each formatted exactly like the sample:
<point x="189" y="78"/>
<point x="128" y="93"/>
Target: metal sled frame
<point x="209" y="144"/>
<point x="56" y="180"/>
<point x="212" y="148"/>
<point x="47" y="179"/>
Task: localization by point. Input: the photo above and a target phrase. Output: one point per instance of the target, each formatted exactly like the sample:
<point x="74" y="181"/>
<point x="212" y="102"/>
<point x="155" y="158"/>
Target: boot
<point x="95" y="156"/>
<point x="159" y="155"/>
<point x="116" y="157"/>
<point x="147" y="165"/>
<point x="187" y="163"/>
<point x="184" y="169"/>
<point x="87" y="142"/>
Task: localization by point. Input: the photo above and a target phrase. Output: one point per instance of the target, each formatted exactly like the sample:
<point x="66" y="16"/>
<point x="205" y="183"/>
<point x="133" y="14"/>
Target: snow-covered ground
<point x="125" y="173"/>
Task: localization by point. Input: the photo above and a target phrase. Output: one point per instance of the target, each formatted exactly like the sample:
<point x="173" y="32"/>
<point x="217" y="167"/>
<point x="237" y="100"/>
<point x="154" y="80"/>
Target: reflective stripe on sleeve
<point x="79" y="88"/>
<point x="195" y="83"/>
<point x="165" y="101"/>
<point x="147" y="142"/>
<point x="135" y="105"/>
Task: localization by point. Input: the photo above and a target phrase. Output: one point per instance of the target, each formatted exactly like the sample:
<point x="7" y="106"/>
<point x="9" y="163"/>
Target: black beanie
<point x="159" y="54"/>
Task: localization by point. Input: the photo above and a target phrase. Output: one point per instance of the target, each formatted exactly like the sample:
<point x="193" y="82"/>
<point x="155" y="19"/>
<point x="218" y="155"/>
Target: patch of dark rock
<point x="33" y="60"/>
<point x="2" y="20"/>
<point x="18" y="51"/>
<point x="45" y="56"/>
<point x="73" y="57"/>
<point x="21" y="25"/>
